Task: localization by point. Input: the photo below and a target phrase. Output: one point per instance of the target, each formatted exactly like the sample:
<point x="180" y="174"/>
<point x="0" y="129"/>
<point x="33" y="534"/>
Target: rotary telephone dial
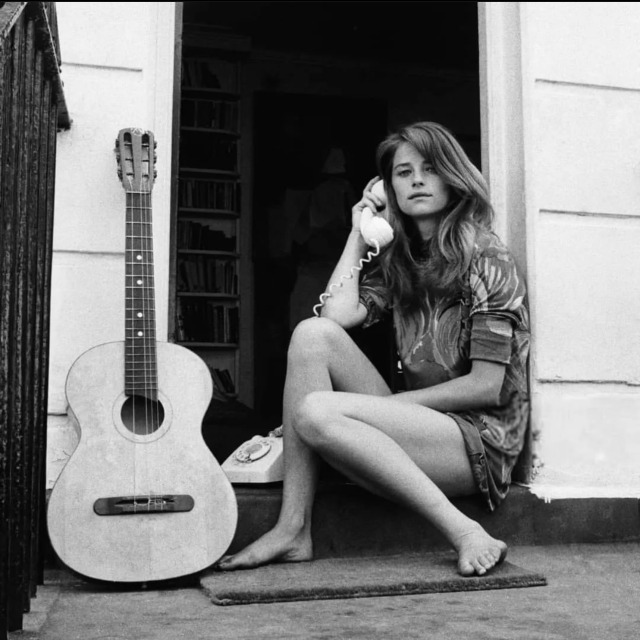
<point x="260" y="458"/>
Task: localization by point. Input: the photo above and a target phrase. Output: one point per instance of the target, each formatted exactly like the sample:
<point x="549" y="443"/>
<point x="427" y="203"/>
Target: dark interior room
<point x="326" y="82"/>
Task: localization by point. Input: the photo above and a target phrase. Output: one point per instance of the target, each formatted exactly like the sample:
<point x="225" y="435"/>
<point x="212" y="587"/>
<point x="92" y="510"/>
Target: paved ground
<point x="593" y="593"/>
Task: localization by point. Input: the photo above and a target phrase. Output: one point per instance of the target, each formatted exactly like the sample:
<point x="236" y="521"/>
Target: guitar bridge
<point x="136" y="505"/>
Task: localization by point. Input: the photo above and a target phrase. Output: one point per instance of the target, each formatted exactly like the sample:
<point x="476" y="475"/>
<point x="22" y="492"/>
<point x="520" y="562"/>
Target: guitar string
<point x="142" y="417"/>
<point x="152" y="318"/>
<point x="130" y="368"/>
<point x="141" y="280"/>
<point x="139" y="253"/>
<point x="140" y="288"/>
<point x="152" y="321"/>
<point x="150" y="378"/>
<point x="141" y="377"/>
<point x="144" y="291"/>
<point x="141" y="247"/>
<point x="149" y="314"/>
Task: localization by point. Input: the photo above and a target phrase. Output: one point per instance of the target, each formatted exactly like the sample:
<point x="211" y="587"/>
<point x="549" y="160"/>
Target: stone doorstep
<point x="348" y="521"/>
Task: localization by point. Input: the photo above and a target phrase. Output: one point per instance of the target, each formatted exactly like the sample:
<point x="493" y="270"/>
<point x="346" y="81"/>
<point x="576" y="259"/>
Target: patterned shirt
<point x="488" y="320"/>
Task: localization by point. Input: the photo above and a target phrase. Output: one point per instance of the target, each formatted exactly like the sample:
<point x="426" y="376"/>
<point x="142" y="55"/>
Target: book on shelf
<point x="218" y="153"/>
<point x="223" y="381"/>
<point x="194" y="235"/>
<point x="199" y="74"/>
<point x="209" y="114"/>
<point x="199" y="193"/>
<point x="180" y="334"/>
<point x="188" y="276"/>
<point x="209" y="73"/>
<point x="203" y="320"/>
<point x="207" y="275"/>
<point x="208" y="220"/>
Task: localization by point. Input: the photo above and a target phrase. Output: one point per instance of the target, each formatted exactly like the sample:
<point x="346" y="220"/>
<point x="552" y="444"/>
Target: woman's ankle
<point x="293" y="527"/>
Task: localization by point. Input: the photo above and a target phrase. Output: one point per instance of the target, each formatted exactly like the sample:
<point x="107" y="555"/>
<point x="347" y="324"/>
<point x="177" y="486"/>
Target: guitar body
<point x="139" y="499"/>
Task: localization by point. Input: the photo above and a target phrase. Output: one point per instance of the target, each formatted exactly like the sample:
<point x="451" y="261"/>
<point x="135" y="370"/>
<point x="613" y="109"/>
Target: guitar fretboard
<point x="141" y="371"/>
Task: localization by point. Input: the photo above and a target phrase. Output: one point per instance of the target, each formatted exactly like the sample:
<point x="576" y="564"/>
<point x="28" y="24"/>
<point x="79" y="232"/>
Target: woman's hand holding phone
<point x="374" y="228"/>
<point x="369" y="199"/>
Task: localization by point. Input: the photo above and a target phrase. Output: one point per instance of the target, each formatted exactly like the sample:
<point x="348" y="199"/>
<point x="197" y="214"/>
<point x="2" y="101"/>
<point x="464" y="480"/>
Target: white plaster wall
<point x="581" y="97"/>
<point x="591" y="438"/>
<point x="588" y="313"/>
<point x="117" y="69"/>
<point x="580" y="92"/>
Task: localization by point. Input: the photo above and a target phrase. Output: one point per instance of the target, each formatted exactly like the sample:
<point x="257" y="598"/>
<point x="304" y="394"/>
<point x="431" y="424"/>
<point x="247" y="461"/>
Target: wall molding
<point x="590" y="214"/>
<point x="585" y="85"/>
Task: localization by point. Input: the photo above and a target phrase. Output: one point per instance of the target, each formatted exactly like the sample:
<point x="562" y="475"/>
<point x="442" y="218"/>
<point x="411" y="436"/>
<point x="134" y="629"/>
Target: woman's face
<point x="419" y="190"/>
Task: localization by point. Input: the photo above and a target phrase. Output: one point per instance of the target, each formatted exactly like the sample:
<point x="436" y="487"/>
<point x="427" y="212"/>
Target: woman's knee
<point x="315" y="336"/>
<point x="316" y="417"/>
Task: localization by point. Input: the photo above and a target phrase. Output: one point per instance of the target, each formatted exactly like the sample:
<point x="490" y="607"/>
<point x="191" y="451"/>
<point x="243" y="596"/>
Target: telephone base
<point x="258" y="460"/>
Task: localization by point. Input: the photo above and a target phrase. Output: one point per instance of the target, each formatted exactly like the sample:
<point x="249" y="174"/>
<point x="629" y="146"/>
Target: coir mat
<point x="335" y="578"/>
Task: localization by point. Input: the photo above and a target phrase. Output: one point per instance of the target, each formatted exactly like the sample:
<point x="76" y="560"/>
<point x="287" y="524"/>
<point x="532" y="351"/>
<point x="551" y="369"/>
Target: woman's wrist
<point x="355" y="235"/>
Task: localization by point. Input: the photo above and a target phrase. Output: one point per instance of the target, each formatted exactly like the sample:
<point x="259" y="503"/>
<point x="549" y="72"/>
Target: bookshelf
<point x="208" y="287"/>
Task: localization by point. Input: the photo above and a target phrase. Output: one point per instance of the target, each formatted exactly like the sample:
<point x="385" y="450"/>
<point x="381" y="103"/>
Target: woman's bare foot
<point x="273" y="546"/>
<point x="478" y="552"/>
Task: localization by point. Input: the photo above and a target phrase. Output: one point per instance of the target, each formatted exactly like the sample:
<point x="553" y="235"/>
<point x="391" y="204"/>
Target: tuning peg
<point x="155" y="144"/>
<point x="155" y="173"/>
<point x="119" y="174"/>
<point x="117" y="142"/>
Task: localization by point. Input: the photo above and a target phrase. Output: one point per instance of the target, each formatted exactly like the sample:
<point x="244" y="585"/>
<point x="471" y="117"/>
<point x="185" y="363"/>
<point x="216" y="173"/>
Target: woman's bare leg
<point x="367" y="438"/>
<point x="321" y="357"/>
<point x="408" y="453"/>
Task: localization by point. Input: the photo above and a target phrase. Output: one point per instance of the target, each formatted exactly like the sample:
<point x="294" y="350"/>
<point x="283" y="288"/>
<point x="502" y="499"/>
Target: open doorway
<point x="326" y="82"/>
<point x="312" y="156"/>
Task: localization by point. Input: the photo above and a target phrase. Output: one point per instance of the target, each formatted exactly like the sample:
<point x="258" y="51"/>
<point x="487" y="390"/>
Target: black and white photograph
<point x="319" y="320"/>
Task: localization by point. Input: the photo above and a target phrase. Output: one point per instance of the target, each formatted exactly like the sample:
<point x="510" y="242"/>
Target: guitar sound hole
<point x="141" y="415"/>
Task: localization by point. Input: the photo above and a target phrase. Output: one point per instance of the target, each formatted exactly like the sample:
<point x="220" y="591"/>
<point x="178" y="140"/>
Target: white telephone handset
<point x="261" y="458"/>
<point x="375" y="231"/>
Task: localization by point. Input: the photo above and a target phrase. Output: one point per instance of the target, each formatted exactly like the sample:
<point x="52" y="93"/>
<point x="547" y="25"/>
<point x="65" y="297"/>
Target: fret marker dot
<point x="139" y="282"/>
<point x="138" y="257"/>
<point x="139" y="314"/>
<point x="140" y="333"/>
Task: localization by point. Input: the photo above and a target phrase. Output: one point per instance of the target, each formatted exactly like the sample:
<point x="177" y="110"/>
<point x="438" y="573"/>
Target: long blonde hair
<point x="410" y="269"/>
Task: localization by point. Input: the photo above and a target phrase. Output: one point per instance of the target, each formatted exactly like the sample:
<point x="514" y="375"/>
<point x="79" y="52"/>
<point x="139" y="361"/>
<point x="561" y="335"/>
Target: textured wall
<point x="581" y="95"/>
<point x="117" y="72"/>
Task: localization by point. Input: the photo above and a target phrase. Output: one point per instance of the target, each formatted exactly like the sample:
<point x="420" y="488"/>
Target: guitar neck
<point x="141" y="377"/>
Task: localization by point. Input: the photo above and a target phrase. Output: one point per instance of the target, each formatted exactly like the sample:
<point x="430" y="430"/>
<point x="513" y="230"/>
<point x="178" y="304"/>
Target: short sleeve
<point x="375" y="298"/>
<point x="497" y="304"/>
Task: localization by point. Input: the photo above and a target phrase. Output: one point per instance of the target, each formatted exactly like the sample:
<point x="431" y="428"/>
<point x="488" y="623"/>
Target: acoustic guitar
<point x="141" y="498"/>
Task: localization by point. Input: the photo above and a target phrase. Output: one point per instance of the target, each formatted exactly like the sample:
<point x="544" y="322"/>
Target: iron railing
<point x="33" y="109"/>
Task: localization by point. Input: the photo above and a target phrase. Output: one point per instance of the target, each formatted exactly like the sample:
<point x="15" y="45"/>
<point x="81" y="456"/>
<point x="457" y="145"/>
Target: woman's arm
<point x="479" y="388"/>
<point x="343" y="305"/>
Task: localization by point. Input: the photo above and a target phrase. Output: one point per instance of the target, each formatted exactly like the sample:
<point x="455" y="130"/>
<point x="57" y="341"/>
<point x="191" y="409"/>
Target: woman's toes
<point x="224" y="564"/>
<point x="486" y="561"/>
<point x="478" y="553"/>
<point x="465" y="568"/>
<point x="479" y="567"/>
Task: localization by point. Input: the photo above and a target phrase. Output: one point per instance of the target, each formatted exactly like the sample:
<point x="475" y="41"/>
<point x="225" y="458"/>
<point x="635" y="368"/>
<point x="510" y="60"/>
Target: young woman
<point x="461" y="327"/>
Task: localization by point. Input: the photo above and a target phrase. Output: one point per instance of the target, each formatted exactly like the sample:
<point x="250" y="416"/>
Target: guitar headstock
<point x="136" y="157"/>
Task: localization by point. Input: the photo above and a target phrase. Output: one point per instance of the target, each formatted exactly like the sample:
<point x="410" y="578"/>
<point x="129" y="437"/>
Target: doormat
<point x="335" y="578"/>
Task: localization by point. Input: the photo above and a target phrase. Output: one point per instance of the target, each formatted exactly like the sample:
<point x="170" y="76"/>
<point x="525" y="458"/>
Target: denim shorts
<point x="491" y="468"/>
